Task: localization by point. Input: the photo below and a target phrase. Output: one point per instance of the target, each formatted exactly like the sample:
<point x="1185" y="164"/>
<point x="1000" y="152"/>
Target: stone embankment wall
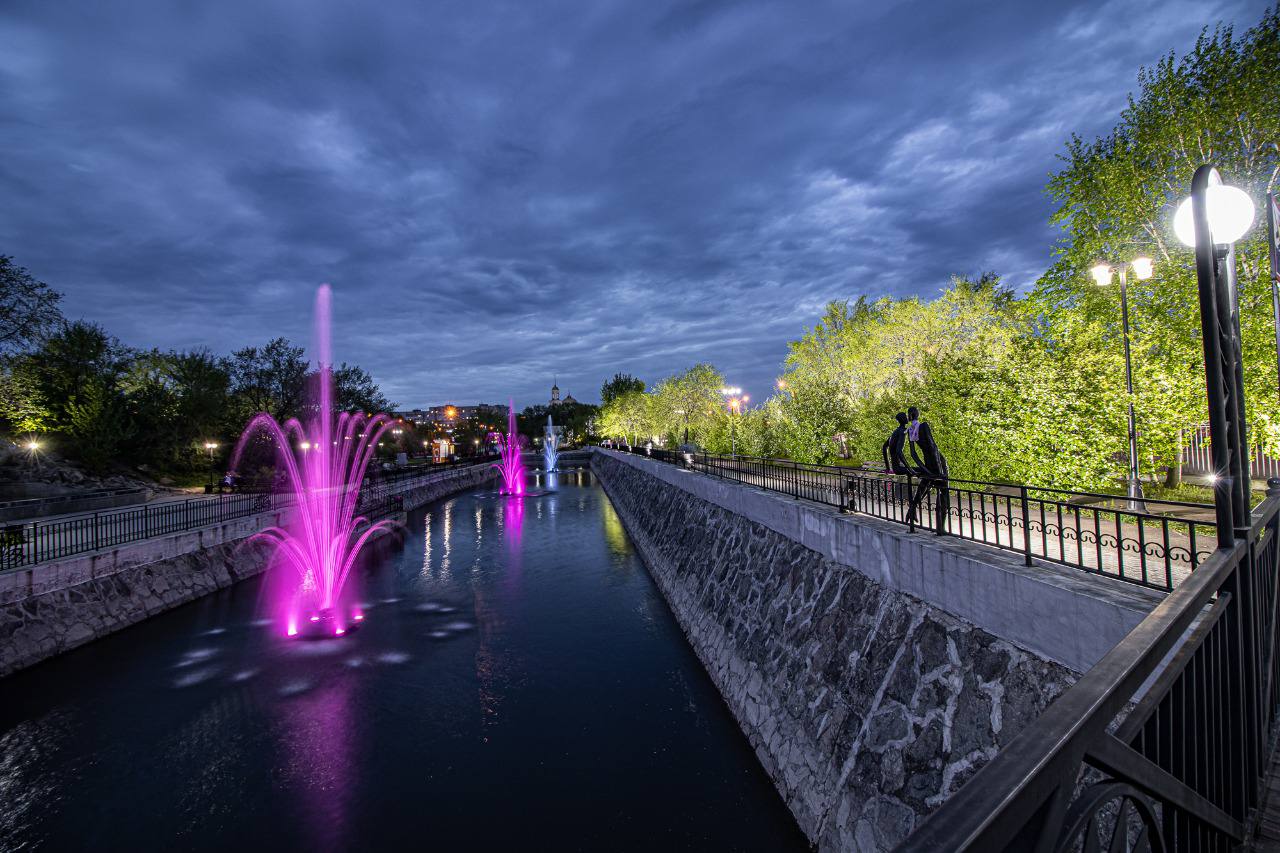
<point x="53" y="607"/>
<point x="866" y="705"/>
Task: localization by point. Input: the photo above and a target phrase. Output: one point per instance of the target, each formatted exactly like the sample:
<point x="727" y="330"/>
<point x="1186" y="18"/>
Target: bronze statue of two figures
<point x="930" y="465"/>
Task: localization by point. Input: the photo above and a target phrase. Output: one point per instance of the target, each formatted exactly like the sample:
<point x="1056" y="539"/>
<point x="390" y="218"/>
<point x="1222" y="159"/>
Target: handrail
<point x="1023" y="798"/>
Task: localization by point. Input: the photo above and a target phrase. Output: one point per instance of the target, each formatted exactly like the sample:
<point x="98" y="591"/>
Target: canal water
<point x="518" y="684"/>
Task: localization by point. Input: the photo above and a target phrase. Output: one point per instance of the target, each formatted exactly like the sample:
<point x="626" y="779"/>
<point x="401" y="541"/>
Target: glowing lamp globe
<point x="1143" y="268"/>
<point x="1230" y="215"/>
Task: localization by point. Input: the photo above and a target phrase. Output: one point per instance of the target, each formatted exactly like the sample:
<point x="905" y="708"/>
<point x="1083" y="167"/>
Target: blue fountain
<point x="550" y="447"/>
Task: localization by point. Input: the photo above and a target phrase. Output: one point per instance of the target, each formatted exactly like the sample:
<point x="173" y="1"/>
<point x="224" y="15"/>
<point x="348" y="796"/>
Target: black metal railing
<point x="1182" y="769"/>
<point x="1163" y="744"/>
<point x="1154" y="545"/>
<point x="38" y="542"/>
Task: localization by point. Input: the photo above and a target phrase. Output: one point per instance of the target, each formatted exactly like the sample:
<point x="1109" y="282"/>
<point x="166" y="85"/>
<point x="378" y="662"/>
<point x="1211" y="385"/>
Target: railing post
<point x="1026" y="524"/>
<point x="35" y="542"/>
<point x="96" y="546"/>
<point x="911" y="516"/>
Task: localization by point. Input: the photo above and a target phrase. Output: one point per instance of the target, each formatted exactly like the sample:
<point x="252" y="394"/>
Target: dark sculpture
<point x="933" y="470"/>
<point x="895" y="462"/>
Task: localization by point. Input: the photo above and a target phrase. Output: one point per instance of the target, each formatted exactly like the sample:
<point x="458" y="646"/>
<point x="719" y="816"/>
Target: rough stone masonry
<point x="866" y="706"/>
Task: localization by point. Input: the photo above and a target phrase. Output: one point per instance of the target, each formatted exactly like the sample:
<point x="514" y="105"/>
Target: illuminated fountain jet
<point x="550" y="447"/>
<point x="323" y="463"/>
<point x="509" y="450"/>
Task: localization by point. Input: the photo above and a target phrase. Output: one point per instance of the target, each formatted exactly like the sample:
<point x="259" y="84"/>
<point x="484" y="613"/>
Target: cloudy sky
<point x="501" y="192"/>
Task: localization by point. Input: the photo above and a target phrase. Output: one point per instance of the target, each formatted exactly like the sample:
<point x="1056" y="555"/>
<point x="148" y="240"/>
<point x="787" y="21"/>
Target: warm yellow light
<point x="1101" y="274"/>
<point x="450" y="412"/>
<point x="782" y="384"/>
<point x="306" y="445"/>
<point x="33" y="445"/>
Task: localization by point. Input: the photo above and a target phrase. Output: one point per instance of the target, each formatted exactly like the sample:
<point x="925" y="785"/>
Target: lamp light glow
<point x="1230" y="215"/>
<point x="1101" y="273"/>
<point x="1143" y="268"/>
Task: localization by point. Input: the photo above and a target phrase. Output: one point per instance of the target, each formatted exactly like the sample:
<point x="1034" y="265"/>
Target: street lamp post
<point x="735" y="403"/>
<point x="1212" y="220"/>
<point x="209" y="447"/>
<point x="1142" y="270"/>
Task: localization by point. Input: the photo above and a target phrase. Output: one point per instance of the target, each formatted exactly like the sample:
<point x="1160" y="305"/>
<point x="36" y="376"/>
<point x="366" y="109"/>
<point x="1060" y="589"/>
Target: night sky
<point x="503" y="192"/>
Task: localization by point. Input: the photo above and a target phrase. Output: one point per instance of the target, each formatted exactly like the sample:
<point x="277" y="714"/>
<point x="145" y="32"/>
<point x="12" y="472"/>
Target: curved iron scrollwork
<point x="1112" y="816"/>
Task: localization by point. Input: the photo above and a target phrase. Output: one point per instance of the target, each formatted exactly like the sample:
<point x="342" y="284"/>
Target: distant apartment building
<point x="446" y="414"/>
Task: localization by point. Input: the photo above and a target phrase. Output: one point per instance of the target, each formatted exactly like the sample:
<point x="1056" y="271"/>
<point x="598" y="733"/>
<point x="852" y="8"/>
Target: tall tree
<point x="621" y="383"/>
<point x="688" y="401"/>
<point x="355" y="391"/>
<point x="270" y="379"/>
<point x="28" y="309"/>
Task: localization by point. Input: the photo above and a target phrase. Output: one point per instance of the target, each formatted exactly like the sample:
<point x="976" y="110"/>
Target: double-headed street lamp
<point x="736" y="400"/>
<point x="1142" y="270"/>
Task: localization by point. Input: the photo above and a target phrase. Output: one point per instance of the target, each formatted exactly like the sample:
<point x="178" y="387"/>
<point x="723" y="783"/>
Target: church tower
<point x="555" y="393"/>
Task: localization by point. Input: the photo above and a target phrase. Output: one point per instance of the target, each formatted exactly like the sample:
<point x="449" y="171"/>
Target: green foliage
<point x="689" y="401"/>
<point x="97" y="425"/>
<point x="630" y="417"/>
<point x="1116" y="199"/>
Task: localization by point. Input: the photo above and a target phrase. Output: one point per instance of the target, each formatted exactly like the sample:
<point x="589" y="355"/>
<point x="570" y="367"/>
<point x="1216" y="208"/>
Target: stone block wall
<point x="54" y="607"/>
<point x="867" y="706"/>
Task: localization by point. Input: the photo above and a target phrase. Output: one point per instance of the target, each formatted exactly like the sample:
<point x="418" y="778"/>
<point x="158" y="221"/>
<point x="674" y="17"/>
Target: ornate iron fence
<point x="38" y="542"/>
<point x="1155" y="546"/>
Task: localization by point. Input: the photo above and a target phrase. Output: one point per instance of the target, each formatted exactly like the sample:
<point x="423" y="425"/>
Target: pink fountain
<point x="323" y="462"/>
<point x="509" y="449"/>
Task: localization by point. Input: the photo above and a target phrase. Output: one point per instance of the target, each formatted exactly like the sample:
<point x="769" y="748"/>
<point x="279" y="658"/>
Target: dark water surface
<point x="519" y="684"/>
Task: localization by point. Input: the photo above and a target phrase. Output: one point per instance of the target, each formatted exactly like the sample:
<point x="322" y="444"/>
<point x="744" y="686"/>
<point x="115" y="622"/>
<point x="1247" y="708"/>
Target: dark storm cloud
<point x="500" y="192"/>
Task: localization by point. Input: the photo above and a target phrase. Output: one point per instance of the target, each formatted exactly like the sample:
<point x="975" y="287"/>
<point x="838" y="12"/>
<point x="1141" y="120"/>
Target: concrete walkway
<point x="1266" y="833"/>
